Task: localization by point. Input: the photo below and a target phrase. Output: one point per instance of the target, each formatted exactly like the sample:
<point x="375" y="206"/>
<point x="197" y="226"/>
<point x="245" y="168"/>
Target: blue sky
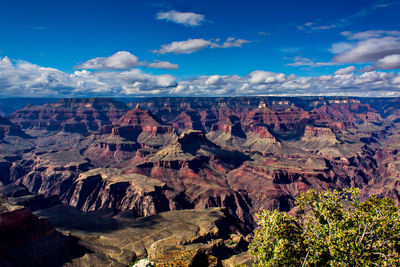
<point x="187" y="47"/>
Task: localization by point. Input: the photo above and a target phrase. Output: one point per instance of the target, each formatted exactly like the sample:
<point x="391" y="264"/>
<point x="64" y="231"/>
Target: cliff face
<point x="169" y="155"/>
<point x="137" y="129"/>
<point x="193" y="167"/>
<point x="110" y="188"/>
<point x="70" y="115"/>
<point x="242" y="154"/>
<point x="7" y="128"/>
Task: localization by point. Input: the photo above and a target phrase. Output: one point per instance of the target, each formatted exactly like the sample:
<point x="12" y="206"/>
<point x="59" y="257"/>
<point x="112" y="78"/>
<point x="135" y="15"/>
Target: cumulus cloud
<point x="184" y="18"/>
<point x="396" y="80"/>
<point x="214" y="80"/>
<point x="389" y="62"/>
<point x="193" y="45"/>
<point x="163" y="65"/>
<point x="23" y="78"/>
<point x="118" y="61"/>
<point x="269" y="83"/>
<point x="264" y="77"/>
<point x="346" y="70"/>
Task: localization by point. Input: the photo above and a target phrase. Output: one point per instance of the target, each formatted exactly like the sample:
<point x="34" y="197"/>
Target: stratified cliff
<point x="242" y="154"/>
<point x="70" y="115"/>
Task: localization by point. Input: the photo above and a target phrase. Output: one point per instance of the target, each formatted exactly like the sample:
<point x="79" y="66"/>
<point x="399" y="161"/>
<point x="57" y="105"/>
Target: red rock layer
<point x="70" y="115"/>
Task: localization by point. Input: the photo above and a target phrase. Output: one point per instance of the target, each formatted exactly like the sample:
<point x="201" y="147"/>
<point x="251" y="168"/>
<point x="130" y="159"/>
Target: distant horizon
<point x="239" y="96"/>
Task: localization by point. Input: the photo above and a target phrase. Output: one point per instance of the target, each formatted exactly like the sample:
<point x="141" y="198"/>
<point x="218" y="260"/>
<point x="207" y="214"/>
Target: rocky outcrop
<point x="286" y="124"/>
<point x="259" y="139"/>
<point x="228" y="131"/>
<point x="7" y="128"/>
<point x="52" y="173"/>
<point x="193" y="167"/>
<point x="172" y="237"/>
<point x="319" y="137"/>
<point x="29" y="241"/>
<point x="110" y="188"/>
<point x="138" y="128"/>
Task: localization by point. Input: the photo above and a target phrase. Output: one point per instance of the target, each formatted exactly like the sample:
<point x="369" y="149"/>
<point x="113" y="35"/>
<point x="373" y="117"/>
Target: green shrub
<point x="335" y="229"/>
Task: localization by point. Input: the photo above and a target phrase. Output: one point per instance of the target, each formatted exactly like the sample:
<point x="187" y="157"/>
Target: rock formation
<point x="70" y="115"/>
<point x="167" y="155"/>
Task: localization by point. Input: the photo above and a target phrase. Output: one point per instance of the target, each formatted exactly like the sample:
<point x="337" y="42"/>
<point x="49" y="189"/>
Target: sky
<point x="199" y="48"/>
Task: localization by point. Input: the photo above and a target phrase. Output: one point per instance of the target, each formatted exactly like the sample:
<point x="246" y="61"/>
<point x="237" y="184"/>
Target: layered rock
<point x="190" y="119"/>
<point x="138" y="128"/>
<point x="317" y="137"/>
<point x="7" y="128"/>
<point x="142" y="126"/>
<point x="110" y="188"/>
<point x="194" y="168"/>
<point x="286" y="124"/>
<point x="276" y="182"/>
<point x="246" y="154"/>
<point x="228" y="130"/>
<point x="341" y="114"/>
<point x="52" y="173"/>
<point x="259" y="139"/>
<point x="70" y="115"/>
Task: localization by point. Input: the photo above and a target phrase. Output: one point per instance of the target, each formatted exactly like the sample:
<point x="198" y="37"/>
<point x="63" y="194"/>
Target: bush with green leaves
<point x="334" y="229"/>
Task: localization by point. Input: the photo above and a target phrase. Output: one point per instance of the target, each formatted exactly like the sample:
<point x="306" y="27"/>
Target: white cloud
<point x="193" y="45"/>
<point x="263" y="77"/>
<point x="270" y="83"/>
<point x="346" y="70"/>
<point x="183" y="47"/>
<point x="163" y="65"/>
<point x="341" y="47"/>
<point x="214" y="80"/>
<point x="369" y="50"/>
<point x="396" y="80"/>
<point x="5" y="63"/>
<point x="27" y="79"/>
<point x="380" y="48"/>
<point x="230" y="42"/>
<point x="24" y="78"/>
<point x="184" y="18"/>
<point x="389" y="62"/>
<point x="118" y="61"/>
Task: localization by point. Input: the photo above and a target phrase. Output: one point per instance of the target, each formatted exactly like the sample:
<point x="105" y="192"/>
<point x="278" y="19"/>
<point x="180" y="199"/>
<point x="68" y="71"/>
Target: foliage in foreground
<point x="334" y="230"/>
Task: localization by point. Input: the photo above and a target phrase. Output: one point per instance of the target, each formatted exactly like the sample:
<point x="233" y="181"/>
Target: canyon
<point x="109" y="181"/>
